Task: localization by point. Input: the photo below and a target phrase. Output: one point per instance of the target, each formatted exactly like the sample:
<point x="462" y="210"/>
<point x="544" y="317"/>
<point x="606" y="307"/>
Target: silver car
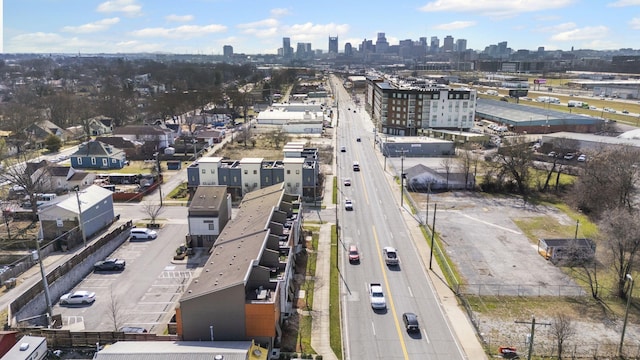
<point x="80" y="297"/>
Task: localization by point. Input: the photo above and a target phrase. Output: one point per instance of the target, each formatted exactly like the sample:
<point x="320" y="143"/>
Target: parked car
<point x="143" y="233"/>
<point x="552" y="154"/>
<point x="109" y="265"/>
<point x="348" y="204"/>
<point x="354" y="254"/>
<point x="410" y="321"/>
<point x="78" y="297"/>
<point x="569" y="156"/>
<point x="582" y="158"/>
<point x="133" y="329"/>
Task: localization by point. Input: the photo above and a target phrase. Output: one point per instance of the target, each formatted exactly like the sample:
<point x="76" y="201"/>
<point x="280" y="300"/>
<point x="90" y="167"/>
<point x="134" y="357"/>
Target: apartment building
<point x="298" y="170"/>
<point x="401" y="108"/>
<point x="246" y="290"/>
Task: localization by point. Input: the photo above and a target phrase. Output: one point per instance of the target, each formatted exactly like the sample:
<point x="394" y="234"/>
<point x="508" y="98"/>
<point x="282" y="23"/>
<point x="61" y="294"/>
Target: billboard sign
<point x="539" y="81"/>
<point x="516" y="93"/>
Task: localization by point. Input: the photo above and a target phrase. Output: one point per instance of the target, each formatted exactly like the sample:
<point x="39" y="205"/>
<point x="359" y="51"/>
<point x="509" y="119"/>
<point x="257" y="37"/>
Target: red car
<point x="354" y="254"/>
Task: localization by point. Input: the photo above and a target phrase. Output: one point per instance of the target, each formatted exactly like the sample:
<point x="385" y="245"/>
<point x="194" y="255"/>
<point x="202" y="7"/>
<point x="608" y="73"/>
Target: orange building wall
<point x="261" y="319"/>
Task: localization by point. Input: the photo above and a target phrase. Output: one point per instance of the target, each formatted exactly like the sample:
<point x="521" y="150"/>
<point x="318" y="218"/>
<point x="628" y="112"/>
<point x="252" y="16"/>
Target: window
<point x="93" y="161"/>
<point x="288" y="172"/>
<point x="297" y="172"/>
<point x="79" y="160"/>
<point x="246" y="172"/>
<point x="204" y="171"/>
<point x="255" y="172"/>
<point x="105" y="161"/>
<point x="113" y="161"/>
<point x="212" y="227"/>
<point x="213" y="171"/>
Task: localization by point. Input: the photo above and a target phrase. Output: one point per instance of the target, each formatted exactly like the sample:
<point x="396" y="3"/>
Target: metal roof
<point x="518" y="114"/>
<point x="174" y="350"/>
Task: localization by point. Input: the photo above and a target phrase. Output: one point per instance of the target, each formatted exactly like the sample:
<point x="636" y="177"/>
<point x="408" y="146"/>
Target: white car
<point x="348" y="205"/>
<point x="582" y="158"/>
<point x="78" y="297"/>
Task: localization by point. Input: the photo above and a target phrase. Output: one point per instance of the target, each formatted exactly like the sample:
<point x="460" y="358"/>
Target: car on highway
<point x="410" y="321"/>
<point x="354" y="254"/>
<point x="625" y="111"/>
<point x="109" y="265"/>
<point x="358" y="139"/>
<point x="347" y="182"/>
<point x="343" y="149"/>
<point x="80" y="297"/>
<point x="348" y="204"/>
<point x="143" y="233"/>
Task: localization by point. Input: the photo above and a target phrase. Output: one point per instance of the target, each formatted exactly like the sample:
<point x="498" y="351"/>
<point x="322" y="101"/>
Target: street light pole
<point x="626" y="313"/>
<point x="402" y="152"/>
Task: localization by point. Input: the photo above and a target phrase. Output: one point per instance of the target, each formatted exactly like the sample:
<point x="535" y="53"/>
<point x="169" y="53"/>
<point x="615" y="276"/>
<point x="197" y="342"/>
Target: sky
<point x="258" y="26"/>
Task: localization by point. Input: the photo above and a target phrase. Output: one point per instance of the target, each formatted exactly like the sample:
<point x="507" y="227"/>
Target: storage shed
<point x="567" y="250"/>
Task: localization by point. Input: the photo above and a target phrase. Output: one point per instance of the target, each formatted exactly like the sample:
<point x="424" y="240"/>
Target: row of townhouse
<point x="398" y="109"/>
<point x="298" y="171"/>
<point x="246" y="289"/>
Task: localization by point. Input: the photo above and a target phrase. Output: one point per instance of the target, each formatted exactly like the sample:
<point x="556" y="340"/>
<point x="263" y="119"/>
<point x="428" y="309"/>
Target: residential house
<point x="59" y="178"/>
<point x="100" y="125"/>
<point x="76" y="133"/>
<point x="210" y="137"/>
<point x="246" y="290"/>
<point x="97" y="155"/>
<point x="10" y="148"/>
<point x="92" y="206"/>
<point x="162" y="136"/>
<point x="422" y="178"/>
<point x="38" y="132"/>
<point x="132" y="149"/>
<point x="209" y="213"/>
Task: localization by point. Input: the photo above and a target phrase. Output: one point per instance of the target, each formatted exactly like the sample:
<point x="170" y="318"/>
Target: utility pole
<point x="626" y="313"/>
<point x="402" y="152"/>
<point x="575" y="237"/>
<point x="533" y="329"/>
<point x="433" y="232"/>
<point x="80" y="224"/>
<point x="45" y="284"/>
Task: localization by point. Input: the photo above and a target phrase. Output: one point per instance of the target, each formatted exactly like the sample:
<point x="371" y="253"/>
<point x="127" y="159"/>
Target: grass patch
<point x="335" y="335"/>
<point x="334" y="196"/>
<point x="304" y="335"/>
<point x="539" y="177"/>
<point x="181" y="192"/>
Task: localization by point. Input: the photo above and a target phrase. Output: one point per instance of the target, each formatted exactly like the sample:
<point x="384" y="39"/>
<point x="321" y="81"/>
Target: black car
<point x="109" y="265"/>
<point x="410" y="321"/>
<point x="358" y="139"/>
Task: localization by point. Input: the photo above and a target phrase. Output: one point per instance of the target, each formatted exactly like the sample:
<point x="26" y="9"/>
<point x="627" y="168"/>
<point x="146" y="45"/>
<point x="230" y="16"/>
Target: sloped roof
<point x="117" y="141"/>
<point x="139" y="130"/>
<point x="95" y="148"/>
<point x="89" y="197"/>
<point x="59" y="170"/>
<point x="175" y="350"/>
<point x="241" y="242"/>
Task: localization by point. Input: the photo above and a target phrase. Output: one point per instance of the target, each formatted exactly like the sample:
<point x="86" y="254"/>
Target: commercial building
<point x="402" y="109"/>
<point x="333" y="44"/>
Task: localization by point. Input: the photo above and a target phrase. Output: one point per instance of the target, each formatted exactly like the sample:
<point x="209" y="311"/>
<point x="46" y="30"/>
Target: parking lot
<point x="143" y="295"/>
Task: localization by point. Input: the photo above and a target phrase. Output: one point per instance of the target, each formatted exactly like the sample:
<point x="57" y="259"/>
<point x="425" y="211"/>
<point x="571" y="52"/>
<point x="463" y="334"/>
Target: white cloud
<point x="261" y="23"/>
<point x="558" y="28"/>
<point x="127" y="7"/>
<point x="180" y="32"/>
<point x="455" y="25"/>
<point x="53" y="43"/>
<point x="635" y="23"/>
<point x="310" y="29"/>
<point x="280" y="12"/>
<point x="494" y="8"/>
<point x="179" y="18"/>
<point x="585" y="33"/>
<point x="623" y="3"/>
<point x="96" y="26"/>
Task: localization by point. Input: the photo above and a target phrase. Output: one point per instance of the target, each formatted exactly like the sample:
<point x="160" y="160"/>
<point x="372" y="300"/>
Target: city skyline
<point x="255" y="27"/>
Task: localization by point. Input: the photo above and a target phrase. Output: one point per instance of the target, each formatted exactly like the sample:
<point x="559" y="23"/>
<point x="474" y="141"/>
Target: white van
<point x="143" y="233"/>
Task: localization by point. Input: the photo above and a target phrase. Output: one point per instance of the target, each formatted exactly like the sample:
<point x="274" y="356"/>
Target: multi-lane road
<point x="375" y="222"/>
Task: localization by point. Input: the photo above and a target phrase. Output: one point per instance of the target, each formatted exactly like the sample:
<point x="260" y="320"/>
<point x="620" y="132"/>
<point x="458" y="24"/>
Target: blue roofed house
<point x="97" y="155"/>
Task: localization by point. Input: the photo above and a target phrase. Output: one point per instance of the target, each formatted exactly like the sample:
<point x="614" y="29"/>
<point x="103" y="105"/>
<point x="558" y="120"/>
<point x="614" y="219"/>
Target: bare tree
<point x="32" y="177"/>
<point x="447" y="165"/>
<point x="562" y="329"/>
<point x="153" y="210"/>
<point x="466" y="161"/>
<point x="609" y="180"/>
<point x="515" y="160"/>
<point x="623" y="241"/>
<point x="114" y="310"/>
